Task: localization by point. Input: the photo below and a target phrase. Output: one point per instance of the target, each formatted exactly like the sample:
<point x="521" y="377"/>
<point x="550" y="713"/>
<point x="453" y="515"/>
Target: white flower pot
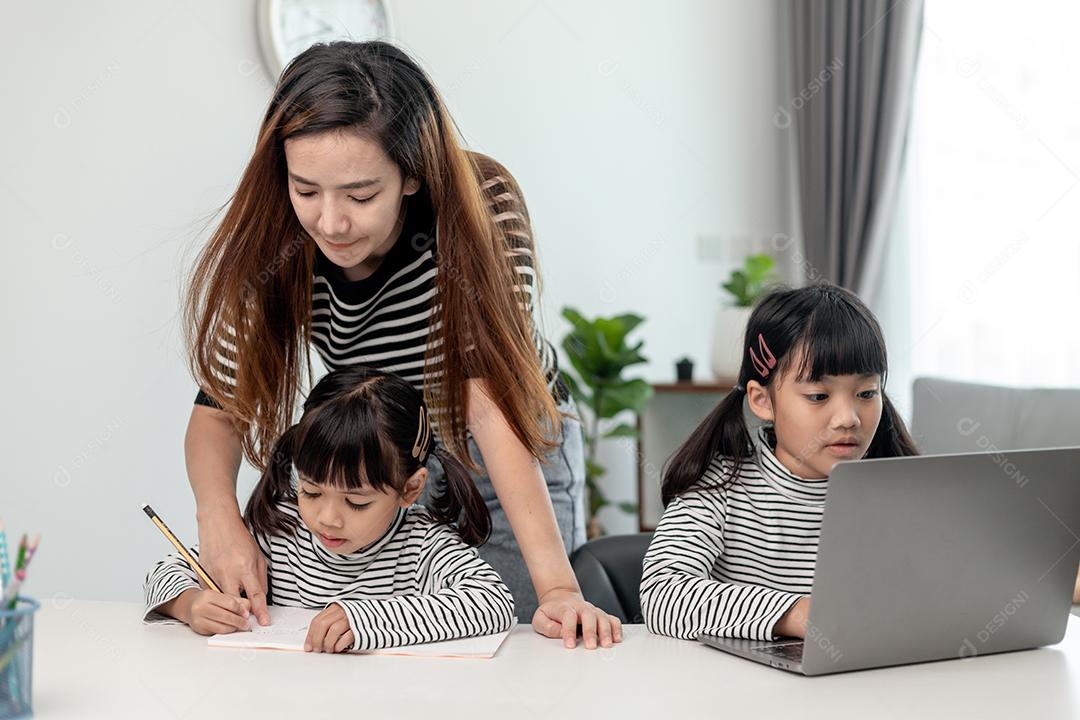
<point x="729" y="329"/>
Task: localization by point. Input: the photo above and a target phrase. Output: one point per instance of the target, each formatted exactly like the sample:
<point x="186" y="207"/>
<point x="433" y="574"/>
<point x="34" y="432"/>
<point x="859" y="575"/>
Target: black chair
<point x="609" y="572"/>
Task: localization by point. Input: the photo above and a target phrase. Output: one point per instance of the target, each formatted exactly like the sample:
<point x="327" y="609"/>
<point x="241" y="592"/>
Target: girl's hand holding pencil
<point x="209" y="612"/>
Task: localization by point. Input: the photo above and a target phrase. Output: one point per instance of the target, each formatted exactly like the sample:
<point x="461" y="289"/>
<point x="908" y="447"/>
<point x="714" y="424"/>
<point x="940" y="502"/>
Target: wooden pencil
<point x="207" y="580"/>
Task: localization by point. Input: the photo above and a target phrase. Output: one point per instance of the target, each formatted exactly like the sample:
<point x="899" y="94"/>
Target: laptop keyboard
<point x="789" y="650"/>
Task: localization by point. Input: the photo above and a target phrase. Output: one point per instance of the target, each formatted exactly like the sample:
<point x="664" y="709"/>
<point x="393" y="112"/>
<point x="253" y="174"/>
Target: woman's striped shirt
<point x="387" y="319"/>
<point x="730" y="558"/>
<point x="417" y="583"/>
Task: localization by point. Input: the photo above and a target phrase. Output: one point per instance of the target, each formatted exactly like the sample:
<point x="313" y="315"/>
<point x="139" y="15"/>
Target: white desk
<point x="96" y="660"/>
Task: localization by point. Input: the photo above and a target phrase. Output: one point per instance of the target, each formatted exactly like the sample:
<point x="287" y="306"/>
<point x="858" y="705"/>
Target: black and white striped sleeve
<point x="680" y="597"/>
<point x="460" y="596"/>
<point x="223" y="365"/>
<point x="165" y="582"/>
<point x="511" y="216"/>
<point x="506" y="203"/>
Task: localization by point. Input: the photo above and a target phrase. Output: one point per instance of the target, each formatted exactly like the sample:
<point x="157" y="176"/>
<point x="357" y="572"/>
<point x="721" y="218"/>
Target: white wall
<point x="632" y="127"/>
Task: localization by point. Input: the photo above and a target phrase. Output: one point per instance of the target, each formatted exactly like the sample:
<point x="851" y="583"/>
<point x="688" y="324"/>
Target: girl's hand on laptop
<point x="793" y="622"/>
<point x="209" y="612"/>
<point x="1076" y="590"/>
<point x="329" y="631"/>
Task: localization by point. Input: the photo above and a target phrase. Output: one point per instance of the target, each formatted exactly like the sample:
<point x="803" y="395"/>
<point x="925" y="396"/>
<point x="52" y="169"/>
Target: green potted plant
<point x="744" y="287"/>
<point x="599" y="353"/>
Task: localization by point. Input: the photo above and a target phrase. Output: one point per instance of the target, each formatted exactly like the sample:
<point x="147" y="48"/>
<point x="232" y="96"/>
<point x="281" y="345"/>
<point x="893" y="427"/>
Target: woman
<point x="362" y="227"/>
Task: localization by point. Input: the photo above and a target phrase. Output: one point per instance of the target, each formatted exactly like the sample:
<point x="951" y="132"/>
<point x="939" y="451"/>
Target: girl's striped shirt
<point x="386" y="320"/>
<point x="419" y="582"/>
<point x="730" y="559"/>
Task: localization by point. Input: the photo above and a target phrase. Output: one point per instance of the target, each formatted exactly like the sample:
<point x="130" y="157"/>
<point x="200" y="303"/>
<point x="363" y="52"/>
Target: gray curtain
<point x="853" y="71"/>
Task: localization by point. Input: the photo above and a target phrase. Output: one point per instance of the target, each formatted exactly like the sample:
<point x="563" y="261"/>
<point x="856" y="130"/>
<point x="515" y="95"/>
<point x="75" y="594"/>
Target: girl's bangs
<point x="838" y="340"/>
<point x="341" y="447"/>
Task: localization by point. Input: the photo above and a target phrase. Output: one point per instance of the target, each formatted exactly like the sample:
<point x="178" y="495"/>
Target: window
<point x="995" y="194"/>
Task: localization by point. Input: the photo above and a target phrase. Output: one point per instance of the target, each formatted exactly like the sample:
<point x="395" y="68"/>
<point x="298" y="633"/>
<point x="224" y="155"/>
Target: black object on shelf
<point x="684" y="370"/>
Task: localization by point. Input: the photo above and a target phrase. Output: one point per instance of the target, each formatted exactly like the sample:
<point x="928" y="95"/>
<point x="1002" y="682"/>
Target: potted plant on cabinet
<point x="744" y="287"/>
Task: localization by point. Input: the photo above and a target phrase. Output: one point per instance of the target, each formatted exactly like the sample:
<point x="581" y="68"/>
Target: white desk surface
<point x="96" y="660"/>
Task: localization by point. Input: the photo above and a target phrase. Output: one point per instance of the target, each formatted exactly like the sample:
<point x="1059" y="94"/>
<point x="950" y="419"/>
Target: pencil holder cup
<point x="16" y="658"/>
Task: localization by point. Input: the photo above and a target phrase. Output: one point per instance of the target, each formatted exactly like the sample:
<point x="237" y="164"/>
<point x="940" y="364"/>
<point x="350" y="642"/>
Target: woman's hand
<point x="523" y="494"/>
<point x="329" y="631"/>
<point x="209" y="612"/>
<point x="229" y="553"/>
<point x="226" y="549"/>
<point x="562" y="610"/>
<point x="793" y="622"/>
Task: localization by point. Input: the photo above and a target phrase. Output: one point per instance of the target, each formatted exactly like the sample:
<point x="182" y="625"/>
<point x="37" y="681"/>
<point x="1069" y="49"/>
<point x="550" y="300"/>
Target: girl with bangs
<point x="734" y="553"/>
<point x="335" y="519"/>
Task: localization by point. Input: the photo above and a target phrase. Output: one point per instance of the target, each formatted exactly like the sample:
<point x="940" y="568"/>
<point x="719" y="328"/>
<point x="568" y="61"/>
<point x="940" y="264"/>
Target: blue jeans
<point x="564" y="473"/>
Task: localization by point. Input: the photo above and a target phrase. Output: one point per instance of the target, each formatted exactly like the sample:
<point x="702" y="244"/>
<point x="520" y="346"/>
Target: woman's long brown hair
<point x="247" y="310"/>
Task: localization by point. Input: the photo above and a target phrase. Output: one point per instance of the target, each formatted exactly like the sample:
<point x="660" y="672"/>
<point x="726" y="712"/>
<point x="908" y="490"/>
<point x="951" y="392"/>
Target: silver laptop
<point x="937" y="557"/>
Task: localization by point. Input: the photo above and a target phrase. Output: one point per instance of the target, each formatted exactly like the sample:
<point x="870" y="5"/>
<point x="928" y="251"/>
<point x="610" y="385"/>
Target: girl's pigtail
<point x="722" y="431"/>
<point x="275" y="485"/>
<point x="892" y="438"/>
<point x="461" y="503"/>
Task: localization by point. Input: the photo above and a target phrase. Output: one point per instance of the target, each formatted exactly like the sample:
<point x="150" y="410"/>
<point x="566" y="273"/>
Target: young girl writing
<point x="734" y="553"/>
<point x="334" y="516"/>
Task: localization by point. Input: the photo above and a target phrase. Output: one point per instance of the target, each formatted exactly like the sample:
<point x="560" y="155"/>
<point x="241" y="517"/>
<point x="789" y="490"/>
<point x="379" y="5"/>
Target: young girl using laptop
<point x="734" y="553"/>
<point x="334" y="516"/>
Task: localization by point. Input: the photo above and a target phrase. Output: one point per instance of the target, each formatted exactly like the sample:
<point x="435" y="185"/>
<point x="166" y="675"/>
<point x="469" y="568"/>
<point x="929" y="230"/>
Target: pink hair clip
<point x="769" y="362"/>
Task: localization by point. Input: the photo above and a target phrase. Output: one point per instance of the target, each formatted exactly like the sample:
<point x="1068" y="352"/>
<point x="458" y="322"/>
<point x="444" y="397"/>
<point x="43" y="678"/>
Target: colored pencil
<point x="11" y="594"/>
<point x="21" y="555"/>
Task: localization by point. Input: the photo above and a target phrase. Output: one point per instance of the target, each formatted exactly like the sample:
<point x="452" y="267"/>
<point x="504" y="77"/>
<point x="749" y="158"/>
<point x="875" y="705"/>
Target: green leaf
<point x="630" y="356"/>
<point x="580" y="359"/>
<point x="615" y="329"/>
<point x="630" y="322"/>
<point x="628" y="507"/>
<point x="594" y="470"/>
<point x="748" y="284"/>
<point x="758" y="267"/>
<point x="622" y="430"/>
<point x="580" y="323"/>
<point x="737" y="287"/>
<point x="609" y="336"/>
<point x="597" y="348"/>
<point x="631" y="395"/>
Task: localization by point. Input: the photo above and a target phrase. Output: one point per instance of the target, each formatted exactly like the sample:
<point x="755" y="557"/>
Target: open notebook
<point x="289" y="625"/>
